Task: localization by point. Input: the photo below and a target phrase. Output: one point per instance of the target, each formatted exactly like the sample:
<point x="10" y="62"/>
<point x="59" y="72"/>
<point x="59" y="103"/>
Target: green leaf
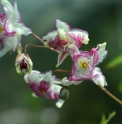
<point x="120" y="86"/>
<point x="115" y="62"/>
<point x="105" y="121"/>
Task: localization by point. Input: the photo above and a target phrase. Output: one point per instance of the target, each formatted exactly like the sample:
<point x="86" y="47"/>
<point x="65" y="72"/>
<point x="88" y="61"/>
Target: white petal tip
<point x="25" y="78"/>
<point x="102" y="45"/>
<point x="34" y="95"/>
<point x="102" y="84"/>
<point x="57" y="65"/>
<point x="63" y="80"/>
<point x="59" y="103"/>
<point x="86" y="40"/>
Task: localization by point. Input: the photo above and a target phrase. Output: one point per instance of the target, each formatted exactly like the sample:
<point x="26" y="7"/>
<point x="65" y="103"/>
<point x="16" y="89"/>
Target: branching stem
<point x="103" y="89"/>
<point x="37" y="37"/>
<point x="37" y="46"/>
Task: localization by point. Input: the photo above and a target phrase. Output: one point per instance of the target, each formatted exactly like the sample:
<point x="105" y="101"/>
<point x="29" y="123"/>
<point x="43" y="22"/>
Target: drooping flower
<point x="23" y="63"/>
<point x="62" y="37"/>
<point x="11" y="27"/>
<point x="45" y="85"/>
<point x="84" y="65"/>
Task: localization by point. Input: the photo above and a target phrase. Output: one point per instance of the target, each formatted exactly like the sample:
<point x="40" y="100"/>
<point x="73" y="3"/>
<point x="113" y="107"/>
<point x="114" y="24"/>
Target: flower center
<point x="1" y="29"/>
<point x="23" y="65"/>
<point x="42" y="92"/>
<point x="83" y="64"/>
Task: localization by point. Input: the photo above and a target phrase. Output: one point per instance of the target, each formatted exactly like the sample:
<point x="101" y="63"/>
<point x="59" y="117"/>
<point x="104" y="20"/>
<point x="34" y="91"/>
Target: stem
<point x="37" y="37"/>
<point x="38" y="47"/>
<point x="60" y="70"/>
<point x="110" y="116"/>
<point x="111" y="95"/>
<point x="33" y="46"/>
<point x="103" y="89"/>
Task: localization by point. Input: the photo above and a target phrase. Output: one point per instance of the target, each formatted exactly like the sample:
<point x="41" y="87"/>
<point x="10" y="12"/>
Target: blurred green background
<point x="86" y="104"/>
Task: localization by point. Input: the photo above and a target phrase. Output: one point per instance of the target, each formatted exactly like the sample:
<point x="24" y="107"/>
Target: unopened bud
<point x="64" y="93"/>
<point x="19" y="48"/>
<point x="23" y="63"/>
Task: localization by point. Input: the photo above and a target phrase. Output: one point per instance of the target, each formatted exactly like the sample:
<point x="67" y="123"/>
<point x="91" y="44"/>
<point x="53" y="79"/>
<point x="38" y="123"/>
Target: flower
<point x="84" y="65"/>
<point x="62" y="37"/>
<point x="23" y="63"/>
<point x="45" y="85"/>
<point x="11" y="27"/>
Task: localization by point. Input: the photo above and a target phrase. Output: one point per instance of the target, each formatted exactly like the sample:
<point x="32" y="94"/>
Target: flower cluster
<point x="11" y="27"/>
<point x="68" y="41"/>
<point x="64" y="40"/>
<point x="62" y="37"/>
<point x="46" y="86"/>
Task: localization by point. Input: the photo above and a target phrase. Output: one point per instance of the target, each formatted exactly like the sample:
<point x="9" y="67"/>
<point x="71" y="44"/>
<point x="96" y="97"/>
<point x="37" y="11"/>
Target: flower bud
<point x="19" y="48"/>
<point x="23" y="63"/>
<point x="64" y="93"/>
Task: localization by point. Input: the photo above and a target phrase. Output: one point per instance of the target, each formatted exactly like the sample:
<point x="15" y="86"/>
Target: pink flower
<point x="45" y="85"/>
<point x="62" y="37"/>
<point x="84" y="65"/>
<point x="11" y="27"/>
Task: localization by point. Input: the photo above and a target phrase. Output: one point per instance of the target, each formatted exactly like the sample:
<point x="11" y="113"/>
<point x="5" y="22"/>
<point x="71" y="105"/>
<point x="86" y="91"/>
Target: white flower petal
<point x="98" y="77"/>
<point x="12" y="42"/>
<point x="73" y="50"/>
<point x="56" y="88"/>
<point x="26" y="78"/>
<point x="61" y="57"/>
<point x="34" y="95"/>
<point x="33" y="77"/>
<point x="16" y="15"/>
<point x="59" y="103"/>
<point x="21" y="29"/>
<point x="66" y="82"/>
<point x="79" y="35"/>
<point x="47" y="77"/>
<point x="101" y="52"/>
<point x="7" y="8"/>
<point x="51" y="35"/>
<point x="62" y="25"/>
<point x="4" y="50"/>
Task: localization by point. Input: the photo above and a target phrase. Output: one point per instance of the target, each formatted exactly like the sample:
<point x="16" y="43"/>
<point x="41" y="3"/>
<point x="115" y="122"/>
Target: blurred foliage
<point x="120" y="86"/>
<point x="105" y="121"/>
<point x="115" y="62"/>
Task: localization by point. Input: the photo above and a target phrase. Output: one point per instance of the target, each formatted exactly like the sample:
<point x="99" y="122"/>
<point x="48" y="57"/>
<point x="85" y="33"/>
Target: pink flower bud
<point x="23" y="63"/>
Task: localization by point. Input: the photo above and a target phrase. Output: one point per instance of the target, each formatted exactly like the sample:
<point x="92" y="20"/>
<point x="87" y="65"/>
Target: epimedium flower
<point x="11" y="27"/>
<point x="62" y="37"/>
<point x="45" y="85"/>
<point x="23" y="63"/>
<point x="84" y="67"/>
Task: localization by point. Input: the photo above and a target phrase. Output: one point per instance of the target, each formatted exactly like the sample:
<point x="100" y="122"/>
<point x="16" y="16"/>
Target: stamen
<point x="83" y="64"/>
<point x="1" y="29"/>
<point x="42" y="91"/>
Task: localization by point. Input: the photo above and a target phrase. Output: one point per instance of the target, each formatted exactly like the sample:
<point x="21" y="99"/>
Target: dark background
<point x="103" y="21"/>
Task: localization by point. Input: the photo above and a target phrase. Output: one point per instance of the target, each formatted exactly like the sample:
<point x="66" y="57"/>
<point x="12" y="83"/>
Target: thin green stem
<point x="110" y="116"/>
<point x="60" y="70"/>
<point x="111" y="95"/>
<point x="37" y="46"/>
<point x="37" y="37"/>
<point x="33" y="46"/>
<point x="103" y="89"/>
